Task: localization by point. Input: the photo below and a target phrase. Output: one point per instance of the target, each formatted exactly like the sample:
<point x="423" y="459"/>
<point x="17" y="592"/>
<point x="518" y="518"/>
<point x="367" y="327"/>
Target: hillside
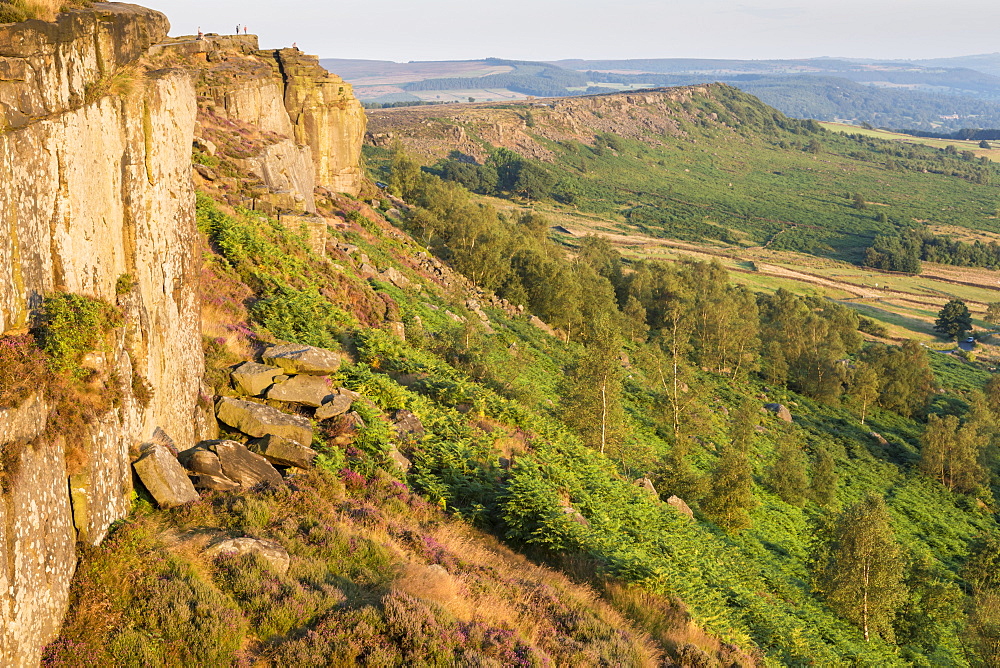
<point x="710" y="162"/>
<point x="895" y="95"/>
<point x="292" y="417"/>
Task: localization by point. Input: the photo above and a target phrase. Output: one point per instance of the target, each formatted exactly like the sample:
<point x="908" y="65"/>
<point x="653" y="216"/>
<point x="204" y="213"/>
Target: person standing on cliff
<point x="244" y="30"/>
<point x="200" y="33"/>
<point x="237" y="28"/>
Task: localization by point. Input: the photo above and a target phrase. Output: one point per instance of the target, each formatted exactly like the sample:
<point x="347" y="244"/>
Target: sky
<point x="404" y="30"/>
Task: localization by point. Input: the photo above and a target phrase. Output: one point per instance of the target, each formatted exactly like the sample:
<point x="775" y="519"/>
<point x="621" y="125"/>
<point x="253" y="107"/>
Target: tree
<point x="593" y="406"/>
<point x="824" y="479"/>
<point x="730" y="497"/>
<point x="984" y="144"/>
<point x="993" y="313"/>
<point x="787" y="475"/>
<point x="953" y="319"/>
<point x="950" y="453"/>
<point x="859" y="202"/>
<point x="864" y="387"/>
<point x="862" y="577"/>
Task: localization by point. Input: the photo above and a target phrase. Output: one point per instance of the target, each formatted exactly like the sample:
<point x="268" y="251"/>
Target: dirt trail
<point x="778" y="271"/>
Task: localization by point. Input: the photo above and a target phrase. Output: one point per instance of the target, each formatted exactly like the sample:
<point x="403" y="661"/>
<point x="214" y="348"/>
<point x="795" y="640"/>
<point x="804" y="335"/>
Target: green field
<point x="960" y="144"/>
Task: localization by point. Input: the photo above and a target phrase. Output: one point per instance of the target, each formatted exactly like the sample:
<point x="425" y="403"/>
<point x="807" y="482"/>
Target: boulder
<point x="205" y="172"/>
<point x="878" y="437"/>
<point x="213" y="483"/>
<point x="202" y="461"/>
<point x="350" y="424"/>
<point x="407" y="426"/>
<point x="780" y="410"/>
<point x="338" y="404"/>
<point x="400" y="459"/>
<point x="205" y="145"/>
<point x="397" y="329"/>
<point x="647" y="485"/>
<point x="396" y="277"/>
<point x="259" y="420"/>
<point x="306" y="390"/>
<point x="272" y="552"/>
<point x="294" y="359"/>
<point x="237" y="463"/>
<point x="164" y="477"/>
<point x="254" y="378"/>
<point x="683" y="508"/>
<point x="283" y="452"/>
<point x="575" y="515"/>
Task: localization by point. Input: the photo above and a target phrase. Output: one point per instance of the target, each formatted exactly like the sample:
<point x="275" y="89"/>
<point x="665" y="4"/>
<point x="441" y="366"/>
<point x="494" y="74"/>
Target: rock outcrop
<point x="325" y="116"/>
<point x="97" y="121"/>
<point x="95" y="166"/>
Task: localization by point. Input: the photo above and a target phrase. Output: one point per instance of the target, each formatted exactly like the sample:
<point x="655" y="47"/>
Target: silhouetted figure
<point x="237" y="28"/>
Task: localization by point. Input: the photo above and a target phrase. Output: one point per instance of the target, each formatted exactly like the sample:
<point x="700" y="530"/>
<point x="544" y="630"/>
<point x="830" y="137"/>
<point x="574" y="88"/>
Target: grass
<point x="960" y="144"/>
<point x="15" y="11"/>
<point x="377" y="575"/>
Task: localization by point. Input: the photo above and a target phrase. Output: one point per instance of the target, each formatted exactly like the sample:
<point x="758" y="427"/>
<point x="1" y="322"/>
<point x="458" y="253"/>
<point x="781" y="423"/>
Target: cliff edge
<point x="98" y="112"/>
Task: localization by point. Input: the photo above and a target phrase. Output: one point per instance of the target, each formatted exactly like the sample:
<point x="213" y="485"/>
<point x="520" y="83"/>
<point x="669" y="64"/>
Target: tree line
<point x="906" y="251"/>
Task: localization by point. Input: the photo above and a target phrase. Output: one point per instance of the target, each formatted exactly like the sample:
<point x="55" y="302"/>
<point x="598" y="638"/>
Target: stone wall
<point x="97" y="183"/>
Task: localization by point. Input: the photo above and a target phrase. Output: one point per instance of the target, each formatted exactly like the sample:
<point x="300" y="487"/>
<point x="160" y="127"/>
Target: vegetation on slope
<point x="731" y="170"/>
<point x="661" y="372"/>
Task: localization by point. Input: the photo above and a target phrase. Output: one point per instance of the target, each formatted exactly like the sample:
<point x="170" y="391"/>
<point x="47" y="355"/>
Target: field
<point x="906" y="305"/>
<point x="477" y="94"/>
<point x="960" y="144"/>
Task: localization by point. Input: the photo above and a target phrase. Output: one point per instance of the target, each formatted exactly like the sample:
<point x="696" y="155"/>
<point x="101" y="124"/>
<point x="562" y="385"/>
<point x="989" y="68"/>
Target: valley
<point x="659" y="377"/>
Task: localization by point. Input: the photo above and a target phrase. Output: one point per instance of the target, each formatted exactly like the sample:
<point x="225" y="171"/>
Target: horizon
<point x="450" y="30"/>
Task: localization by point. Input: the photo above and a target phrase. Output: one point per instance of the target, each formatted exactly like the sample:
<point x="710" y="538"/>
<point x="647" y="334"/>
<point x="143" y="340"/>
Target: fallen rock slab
<point x="258" y="420"/>
<point x="254" y="378"/>
<point x="236" y="462"/>
<point x="283" y="452"/>
<point x="164" y="477"/>
<point x="295" y="359"/>
<point x="271" y="551"/>
<point x="338" y="404"/>
<point x="306" y="390"/>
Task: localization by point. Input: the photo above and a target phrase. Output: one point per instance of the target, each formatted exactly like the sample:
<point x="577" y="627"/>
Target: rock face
<point x="287" y="167"/>
<point x="88" y="195"/>
<point x="294" y="358"/>
<point x="325" y="116"/>
<point x="259" y="420"/>
<point x="95" y="167"/>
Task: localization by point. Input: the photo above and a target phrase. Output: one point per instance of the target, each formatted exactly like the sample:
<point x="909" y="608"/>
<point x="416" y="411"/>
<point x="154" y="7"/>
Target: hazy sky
<point x="403" y="30"/>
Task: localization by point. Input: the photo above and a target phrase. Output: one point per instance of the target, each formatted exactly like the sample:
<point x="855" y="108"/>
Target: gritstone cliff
<point x="98" y="110"/>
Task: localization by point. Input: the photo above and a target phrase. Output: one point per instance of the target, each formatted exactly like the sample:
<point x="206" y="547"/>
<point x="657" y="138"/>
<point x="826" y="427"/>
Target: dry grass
<point x="667" y="621"/>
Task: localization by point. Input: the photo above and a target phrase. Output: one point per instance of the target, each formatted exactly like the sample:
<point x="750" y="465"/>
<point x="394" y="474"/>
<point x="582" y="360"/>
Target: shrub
<point x="71" y="326"/>
<point x="124" y="284"/>
<point x="22" y="366"/>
